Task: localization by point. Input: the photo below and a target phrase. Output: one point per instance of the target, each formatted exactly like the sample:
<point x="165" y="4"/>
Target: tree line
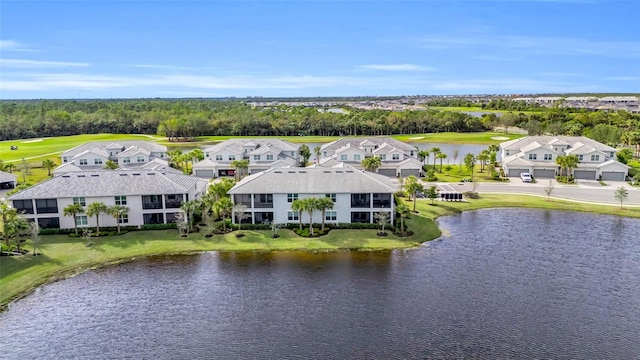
<point x="185" y="119"/>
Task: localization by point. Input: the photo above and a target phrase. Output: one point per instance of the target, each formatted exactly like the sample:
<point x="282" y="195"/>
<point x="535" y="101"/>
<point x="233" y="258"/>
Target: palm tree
<point x="110" y="165"/>
<point x="175" y="156"/>
<point x="423" y="155"/>
<point x="241" y="211"/>
<point x="413" y="186"/>
<point x="195" y="155"/>
<point x="48" y="164"/>
<point x="324" y="204"/>
<point x="117" y="211"/>
<point x="7" y="213"/>
<point x="224" y="207"/>
<point x="403" y="210"/>
<point x="189" y="208"/>
<point x="621" y="194"/>
<point x="562" y="162"/>
<point x="311" y="205"/>
<point x="72" y="210"/>
<point x="95" y="209"/>
<point x="371" y="163"/>
<point x="470" y="162"/>
<point x="240" y="166"/>
<point x="317" y="150"/>
<point x="298" y="206"/>
<point x="571" y="163"/>
<point x="435" y="151"/>
<point x="483" y="157"/>
<point x="441" y="156"/>
<point x="305" y="154"/>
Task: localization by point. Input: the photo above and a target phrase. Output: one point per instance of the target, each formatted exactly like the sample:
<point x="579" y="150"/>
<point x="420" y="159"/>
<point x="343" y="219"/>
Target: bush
<point x="471" y="195"/>
<point x="55" y="231"/>
<point x="159" y="226"/>
<point x="431" y="175"/>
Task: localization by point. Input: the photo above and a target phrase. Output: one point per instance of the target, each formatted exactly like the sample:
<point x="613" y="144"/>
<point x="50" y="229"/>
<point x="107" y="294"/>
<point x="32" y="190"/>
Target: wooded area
<point x="188" y="118"/>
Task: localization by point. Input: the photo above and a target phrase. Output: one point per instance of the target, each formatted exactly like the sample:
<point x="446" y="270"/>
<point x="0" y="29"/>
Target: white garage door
<point x="205" y="174"/>
<point x="584" y="174"/>
<point x="613" y="176"/>
<point x="407" y="172"/>
<point x="544" y="173"/>
<point x="517" y="172"/>
<point x="387" y="172"/>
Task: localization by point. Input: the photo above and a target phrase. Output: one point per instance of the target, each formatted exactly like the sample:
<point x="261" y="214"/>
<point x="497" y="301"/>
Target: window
<point x="331" y="196"/>
<point x="533" y="156"/>
<point x="64" y="159"/>
<point x="81" y="220"/>
<point x="580" y="157"/>
<point x="595" y="157"/>
<point x="49" y="223"/>
<point x="23" y="206"/>
<point x="172" y="201"/>
<point x="292" y="197"/>
<point x="123" y="219"/>
<point x="152" y="202"/>
<point x="157" y="218"/>
<point x="383" y="157"/>
<point x="256" y="157"/>
<point x="270" y="157"/>
<point x="343" y="157"/>
<point x="231" y="157"/>
<point x="97" y="161"/>
<point x="80" y="200"/>
<point x="324" y="154"/>
<point x="126" y="160"/>
<point x="140" y="158"/>
<point x="121" y="200"/>
<point x="548" y="157"/>
<point x="395" y="156"/>
<point x="218" y="157"/>
<point x="331" y="216"/>
<point x="293" y="154"/>
<point x="46" y="206"/>
<point x="83" y="162"/>
<point x="292" y="216"/>
<point x="263" y="201"/>
<point x="356" y="157"/>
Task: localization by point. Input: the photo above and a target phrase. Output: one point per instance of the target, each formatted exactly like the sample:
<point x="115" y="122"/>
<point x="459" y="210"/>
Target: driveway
<point x="586" y="192"/>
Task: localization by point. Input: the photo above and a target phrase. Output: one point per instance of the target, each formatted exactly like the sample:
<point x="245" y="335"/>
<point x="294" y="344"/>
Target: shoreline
<point x="25" y="276"/>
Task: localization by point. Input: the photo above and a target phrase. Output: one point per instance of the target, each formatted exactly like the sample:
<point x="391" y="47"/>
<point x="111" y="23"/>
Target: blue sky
<point x="118" y="49"/>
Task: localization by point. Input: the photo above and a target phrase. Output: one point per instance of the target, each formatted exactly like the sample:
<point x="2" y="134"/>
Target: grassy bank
<point x="65" y="256"/>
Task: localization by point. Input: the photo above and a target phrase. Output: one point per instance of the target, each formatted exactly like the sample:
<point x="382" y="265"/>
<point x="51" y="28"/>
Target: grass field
<point x="65" y="256"/>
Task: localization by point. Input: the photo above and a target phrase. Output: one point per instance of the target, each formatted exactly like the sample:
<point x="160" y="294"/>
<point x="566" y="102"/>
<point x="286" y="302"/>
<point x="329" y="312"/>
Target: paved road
<point x="586" y="191"/>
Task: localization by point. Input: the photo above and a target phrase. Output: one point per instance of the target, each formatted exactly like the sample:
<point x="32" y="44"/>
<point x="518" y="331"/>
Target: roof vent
<point x="136" y="174"/>
<point x="66" y="176"/>
<point x="339" y="171"/>
<point x="326" y="172"/>
<point x="94" y="175"/>
<point x="302" y="171"/>
<point x="278" y="172"/>
<point x="81" y="175"/>
<point x="150" y="173"/>
<point x="123" y="174"/>
<point x="349" y="171"/>
<point x="291" y="172"/>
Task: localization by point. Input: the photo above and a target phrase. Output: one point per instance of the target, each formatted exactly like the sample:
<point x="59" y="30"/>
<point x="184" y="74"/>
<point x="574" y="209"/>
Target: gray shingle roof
<point x="110" y="183"/>
<point x="106" y="145"/>
<point x="6" y="177"/>
<point x="355" y="142"/>
<point x="313" y="181"/>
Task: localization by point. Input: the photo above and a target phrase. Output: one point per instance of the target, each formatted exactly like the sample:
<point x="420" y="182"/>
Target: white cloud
<point x="11" y="45"/>
<point x="24" y="63"/>
<point x="397" y="67"/>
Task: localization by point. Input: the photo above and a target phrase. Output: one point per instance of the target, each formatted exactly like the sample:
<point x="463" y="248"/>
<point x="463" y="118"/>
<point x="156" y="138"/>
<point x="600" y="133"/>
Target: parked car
<point x="526" y="177"/>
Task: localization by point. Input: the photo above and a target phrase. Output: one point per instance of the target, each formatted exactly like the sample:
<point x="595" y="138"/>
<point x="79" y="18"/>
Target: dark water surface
<point x="504" y="283"/>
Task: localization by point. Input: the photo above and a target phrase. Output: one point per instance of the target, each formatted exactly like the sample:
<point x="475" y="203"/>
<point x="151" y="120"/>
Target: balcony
<point x="382" y="201"/>
<point x="360" y="201"/>
<point x="152" y="202"/>
<point x="263" y="201"/>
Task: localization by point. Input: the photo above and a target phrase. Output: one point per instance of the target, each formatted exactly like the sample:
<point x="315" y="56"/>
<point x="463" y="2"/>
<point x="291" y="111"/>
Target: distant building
<point x="127" y="154"/>
<point x="262" y="154"/>
<point x="397" y="158"/>
<point x="537" y="155"/>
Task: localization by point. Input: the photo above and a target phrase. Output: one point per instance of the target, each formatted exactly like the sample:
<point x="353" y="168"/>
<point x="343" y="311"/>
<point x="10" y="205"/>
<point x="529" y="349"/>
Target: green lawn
<point x="487" y="137"/>
<point x="55" y="145"/>
<point x="65" y="256"/>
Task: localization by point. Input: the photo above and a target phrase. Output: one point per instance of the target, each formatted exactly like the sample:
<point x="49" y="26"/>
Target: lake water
<point x="503" y="284"/>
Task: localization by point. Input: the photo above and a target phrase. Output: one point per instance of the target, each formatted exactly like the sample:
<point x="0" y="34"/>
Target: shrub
<point x="159" y="226"/>
<point x="471" y="195"/>
<point x="431" y="175"/>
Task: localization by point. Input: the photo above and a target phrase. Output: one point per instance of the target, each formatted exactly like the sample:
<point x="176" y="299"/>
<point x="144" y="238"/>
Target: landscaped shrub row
<point x="72" y="231"/>
<point x="159" y="226"/>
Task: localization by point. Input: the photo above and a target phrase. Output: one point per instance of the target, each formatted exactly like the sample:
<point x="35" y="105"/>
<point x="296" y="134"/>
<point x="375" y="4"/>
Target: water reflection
<point x="508" y="283"/>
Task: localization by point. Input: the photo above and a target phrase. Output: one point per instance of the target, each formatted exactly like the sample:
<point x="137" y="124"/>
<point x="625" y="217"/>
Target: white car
<point x="526" y="177"/>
